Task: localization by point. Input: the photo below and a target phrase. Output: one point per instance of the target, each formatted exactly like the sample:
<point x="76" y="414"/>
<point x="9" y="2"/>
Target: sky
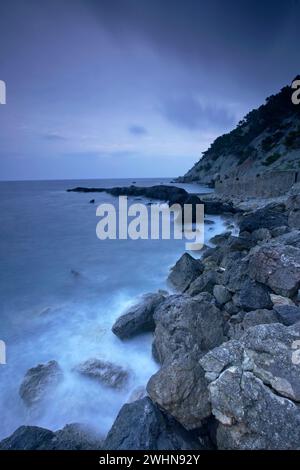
<point x="134" y="88"/>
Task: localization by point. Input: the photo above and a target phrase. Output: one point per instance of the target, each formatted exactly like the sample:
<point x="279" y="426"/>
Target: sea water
<point x="61" y="289"/>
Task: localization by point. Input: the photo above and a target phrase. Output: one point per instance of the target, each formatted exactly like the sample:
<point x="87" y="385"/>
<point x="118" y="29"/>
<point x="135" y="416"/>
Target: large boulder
<point x="139" y="318"/>
<point x="255" y="388"/>
<point x="185" y="271"/>
<point x="277" y="266"/>
<point x="142" y="426"/>
<point x="269" y="217"/>
<point x="73" y="436"/>
<point x="180" y="388"/>
<point x="105" y="372"/>
<point x="39" y="382"/>
<point x="186" y="324"/>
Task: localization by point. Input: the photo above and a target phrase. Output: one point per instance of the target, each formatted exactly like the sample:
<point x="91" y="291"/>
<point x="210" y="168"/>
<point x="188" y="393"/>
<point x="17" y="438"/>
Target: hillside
<point x="268" y="138"/>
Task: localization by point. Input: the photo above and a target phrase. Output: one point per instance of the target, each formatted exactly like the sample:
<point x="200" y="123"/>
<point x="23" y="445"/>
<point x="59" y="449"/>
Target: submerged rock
<point x="139" y="318"/>
<point x="105" y="372"/>
<point x="39" y="382"/>
<point x="142" y="426"/>
<point x="180" y="388"/>
<point x="185" y="271"/>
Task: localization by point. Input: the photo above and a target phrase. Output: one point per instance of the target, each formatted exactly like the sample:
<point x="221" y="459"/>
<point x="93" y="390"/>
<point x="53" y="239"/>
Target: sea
<point x="61" y="290"/>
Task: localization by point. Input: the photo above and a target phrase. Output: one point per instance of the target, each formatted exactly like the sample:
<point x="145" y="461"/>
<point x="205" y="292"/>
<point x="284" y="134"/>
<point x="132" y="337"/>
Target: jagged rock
<point x="269" y="217"/>
<point x="107" y="373"/>
<point x="139" y="318"/>
<point x="255" y="388"/>
<point x="239" y="323"/>
<point x="253" y="296"/>
<point x="72" y="437"/>
<point x="186" y="324"/>
<point x="180" y="388"/>
<point x="39" y="382"/>
<point x="137" y="394"/>
<point x="142" y="426"/>
<point x="222" y="294"/>
<point x="185" y="271"/>
<point x="287" y="314"/>
<point x="278" y="267"/>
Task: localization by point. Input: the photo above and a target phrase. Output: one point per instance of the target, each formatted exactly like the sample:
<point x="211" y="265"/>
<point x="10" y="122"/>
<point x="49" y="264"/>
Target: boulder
<point x="280" y="300"/>
<point x="293" y="205"/>
<point x="185" y="271"/>
<point x="204" y="283"/>
<point x="239" y="323"/>
<point x="261" y="234"/>
<point x="72" y="437"/>
<point x="77" y="436"/>
<point x="278" y="267"/>
<point x="239" y="243"/>
<point x="28" y="438"/>
<point x="221" y="294"/>
<point x="251" y="416"/>
<point x="186" y="324"/>
<point x="142" y="426"/>
<point x="253" y="296"/>
<point x="39" y="382"/>
<point x="255" y="388"/>
<point x="139" y="318"/>
<point x="105" y="372"/>
<point x="287" y="314"/>
<point x="180" y="388"/>
<point x="137" y="394"/>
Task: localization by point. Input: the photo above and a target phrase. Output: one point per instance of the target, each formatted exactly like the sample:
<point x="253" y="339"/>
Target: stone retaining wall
<point x="270" y="184"/>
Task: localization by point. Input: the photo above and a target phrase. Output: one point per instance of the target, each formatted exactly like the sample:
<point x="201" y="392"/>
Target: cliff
<point x="267" y="139"/>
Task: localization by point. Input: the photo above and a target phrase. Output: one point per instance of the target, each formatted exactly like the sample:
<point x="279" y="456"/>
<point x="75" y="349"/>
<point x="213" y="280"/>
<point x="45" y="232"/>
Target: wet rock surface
<point x="39" y="382"/>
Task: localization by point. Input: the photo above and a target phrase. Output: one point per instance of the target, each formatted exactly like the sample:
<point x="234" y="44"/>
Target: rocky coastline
<point x="226" y="337"/>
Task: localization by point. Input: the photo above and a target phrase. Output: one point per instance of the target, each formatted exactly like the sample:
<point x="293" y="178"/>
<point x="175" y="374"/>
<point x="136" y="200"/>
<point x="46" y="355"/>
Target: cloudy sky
<point x="134" y="88"/>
